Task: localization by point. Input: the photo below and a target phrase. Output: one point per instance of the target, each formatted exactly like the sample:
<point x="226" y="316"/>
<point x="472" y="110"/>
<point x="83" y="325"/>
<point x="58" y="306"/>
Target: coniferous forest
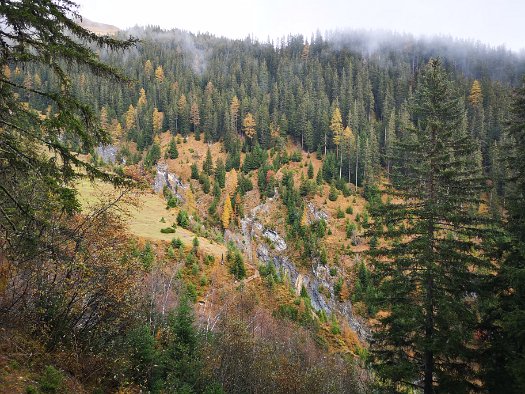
<point x="186" y="213"/>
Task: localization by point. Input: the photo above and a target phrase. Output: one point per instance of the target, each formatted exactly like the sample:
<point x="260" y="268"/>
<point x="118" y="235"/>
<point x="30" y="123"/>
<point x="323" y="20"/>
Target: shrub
<point x="332" y="195"/>
<point x="51" y="381"/>
<point x="204" y="180"/>
<point x="194" y="171"/>
<point x="350" y="229"/>
<point x="338" y="286"/>
<point x="167" y="230"/>
<point x="373" y="242"/>
<point x="195" y="268"/>
<point x="340" y="214"/>
<point x="209" y="259"/>
<point x="296" y="157"/>
<point x="176" y="243"/>
<point x="310" y="170"/>
<point x="183" y="219"/>
<point x="335" y="329"/>
<point x="349" y="210"/>
<point x="244" y="184"/>
<point x="288" y="312"/>
<point x="172" y="202"/>
<point x="236" y="262"/>
<point x="191" y="291"/>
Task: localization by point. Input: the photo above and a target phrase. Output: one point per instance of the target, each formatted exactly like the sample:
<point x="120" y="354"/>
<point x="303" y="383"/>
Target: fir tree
<point x="310" y="170"/>
<point x="207" y="166"/>
<point x="172" y="152"/>
<point x="430" y="265"/>
<point x="220" y="173"/>
<point x="504" y="353"/>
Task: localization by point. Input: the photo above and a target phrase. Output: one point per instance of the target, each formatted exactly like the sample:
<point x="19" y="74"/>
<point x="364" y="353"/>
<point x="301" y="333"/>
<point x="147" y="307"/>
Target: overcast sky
<point x="494" y="22"/>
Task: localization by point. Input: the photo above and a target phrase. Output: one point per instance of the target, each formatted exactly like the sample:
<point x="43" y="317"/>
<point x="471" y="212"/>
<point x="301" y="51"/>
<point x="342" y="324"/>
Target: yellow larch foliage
<point x="158" y="118"/>
<point x="6" y="71"/>
<point x="248" y="125"/>
<point x="159" y="74"/>
<point x="336" y="125"/>
<point x="344" y="294"/>
<point x="104" y="122"/>
<point x="306" y="52"/>
<point x="142" y="98"/>
<point x="226" y="212"/>
<point x="237" y="201"/>
<point x="190" y="201"/>
<point x="148" y="68"/>
<point x="181" y="104"/>
<point x="130" y="117"/>
<point x="195" y="118"/>
<point x="37" y="80"/>
<point x="28" y="81"/>
<point x="304" y="218"/>
<point x="116" y="129"/>
<point x="209" y="88"/>
<point x="476" y="96"/>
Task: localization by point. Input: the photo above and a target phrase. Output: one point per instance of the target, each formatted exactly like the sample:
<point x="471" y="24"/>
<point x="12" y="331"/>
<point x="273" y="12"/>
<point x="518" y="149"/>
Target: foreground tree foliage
<point x="503" y="328"/>
<point x="43" y="241"/>
<point x="430" y="266"/>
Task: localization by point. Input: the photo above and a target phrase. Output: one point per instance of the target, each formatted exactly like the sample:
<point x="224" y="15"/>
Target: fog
<point x="492" y="22"/>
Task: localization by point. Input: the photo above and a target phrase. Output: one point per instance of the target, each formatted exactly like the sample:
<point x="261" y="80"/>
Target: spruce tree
<point x="428" y="267"/>
<point x="207" y="166"/>
<point x="172" y="152"/>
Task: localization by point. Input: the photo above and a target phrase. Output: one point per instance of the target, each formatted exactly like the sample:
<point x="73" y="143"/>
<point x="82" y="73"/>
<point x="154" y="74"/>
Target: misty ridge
<point x="473" y="59"/>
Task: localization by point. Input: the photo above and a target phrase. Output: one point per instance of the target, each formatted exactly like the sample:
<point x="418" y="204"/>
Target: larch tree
<point x="336" y="126"/>
<point x="475" y="97"/>
<point x="142" y="101"/>
<point x="130" y="117"/>
<point x="195" y="117"/>
<point x="431" y="262"/>
<point x="104" y="118"/>
<point x="226" y="212"/>
<point x="148" y="68"/>
<point x="116" y="130"/>
<point x="248" y="126"/>
<point x="304" y="217"/>
<point x="157" y="120"/>
<point x="159" y="74"/>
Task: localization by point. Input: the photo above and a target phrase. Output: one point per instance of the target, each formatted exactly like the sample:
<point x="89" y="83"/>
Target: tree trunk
<point x="429" y="333"/>
<point x="356" y="167"/>
<point x="341" y="165"/>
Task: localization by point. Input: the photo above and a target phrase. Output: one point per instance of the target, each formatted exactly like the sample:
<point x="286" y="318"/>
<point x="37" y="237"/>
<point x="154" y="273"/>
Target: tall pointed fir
<point x="429" y="265"/>
<point x="504" y="361"/>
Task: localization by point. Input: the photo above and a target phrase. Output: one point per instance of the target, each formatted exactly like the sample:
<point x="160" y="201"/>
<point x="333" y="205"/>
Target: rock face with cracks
<point x="108" y="153"/>
<point x="165" y="178"/>
<point x="271" y="249"/>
